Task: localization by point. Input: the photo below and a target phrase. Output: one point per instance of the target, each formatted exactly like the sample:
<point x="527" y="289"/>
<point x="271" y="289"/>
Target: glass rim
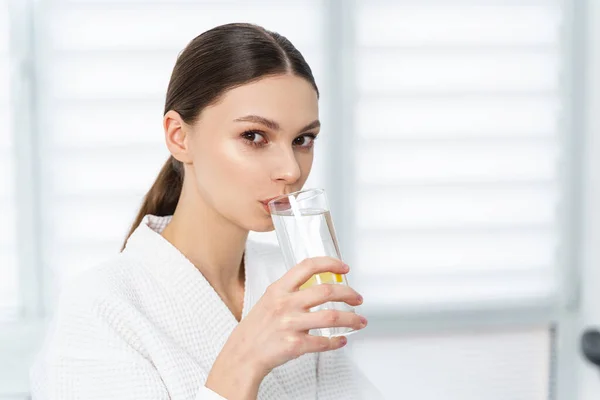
<point x="317" y="191"/>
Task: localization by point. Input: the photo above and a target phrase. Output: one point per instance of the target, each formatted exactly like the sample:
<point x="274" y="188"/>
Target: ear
<point x="177" y="136"/>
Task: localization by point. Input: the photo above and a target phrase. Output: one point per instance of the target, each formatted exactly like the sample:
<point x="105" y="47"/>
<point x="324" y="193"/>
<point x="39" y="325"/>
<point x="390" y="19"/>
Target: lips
<point x="283" y="201"/>
<point x="266" y="202"/>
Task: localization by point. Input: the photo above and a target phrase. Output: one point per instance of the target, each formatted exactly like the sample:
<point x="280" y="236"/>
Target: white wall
<point x="485" y="363"/>
<point x="589" y="378"/>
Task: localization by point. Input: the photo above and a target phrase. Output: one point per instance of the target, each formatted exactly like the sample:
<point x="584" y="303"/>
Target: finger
<point x="299" y="274"/>
<point x="329" y="319"/>
<point x="313" y="344"/>
<point x="323" y="293"/>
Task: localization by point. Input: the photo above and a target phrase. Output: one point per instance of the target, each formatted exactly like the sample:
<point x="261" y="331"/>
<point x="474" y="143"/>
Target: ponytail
<point x="163" y="196"/>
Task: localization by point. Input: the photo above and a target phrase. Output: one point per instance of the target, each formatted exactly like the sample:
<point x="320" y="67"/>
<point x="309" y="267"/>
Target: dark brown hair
<point x="216" y="61"/>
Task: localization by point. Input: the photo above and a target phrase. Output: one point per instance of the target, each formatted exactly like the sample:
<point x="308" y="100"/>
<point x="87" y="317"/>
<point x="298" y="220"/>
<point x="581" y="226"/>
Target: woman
<point x="192" y="309"/>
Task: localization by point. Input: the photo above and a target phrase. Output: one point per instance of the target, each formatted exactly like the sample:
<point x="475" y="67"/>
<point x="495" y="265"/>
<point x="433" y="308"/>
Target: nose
<point x="287" y="169"/>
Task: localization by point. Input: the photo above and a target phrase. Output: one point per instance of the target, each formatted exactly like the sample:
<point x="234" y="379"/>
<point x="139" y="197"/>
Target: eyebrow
<point x="273" y="125"/>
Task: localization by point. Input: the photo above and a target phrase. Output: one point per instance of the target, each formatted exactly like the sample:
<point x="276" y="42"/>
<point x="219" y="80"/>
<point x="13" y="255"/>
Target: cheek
<point x="242" y="166"/>
<point x="228" y="169"/>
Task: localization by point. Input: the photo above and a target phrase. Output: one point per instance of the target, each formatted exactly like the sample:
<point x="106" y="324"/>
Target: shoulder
<point x="95" y="326"/>
<point x="97" y="307"/>
<point x="111" y="276"/>
<point x="101" y="290"/>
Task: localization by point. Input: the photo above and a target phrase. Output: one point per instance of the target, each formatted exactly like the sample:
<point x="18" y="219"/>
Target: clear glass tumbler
<point x="304" y="229"/>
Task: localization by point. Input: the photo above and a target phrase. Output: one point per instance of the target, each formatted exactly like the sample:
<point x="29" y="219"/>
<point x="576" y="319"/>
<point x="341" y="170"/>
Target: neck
<point x="211" y="242"/>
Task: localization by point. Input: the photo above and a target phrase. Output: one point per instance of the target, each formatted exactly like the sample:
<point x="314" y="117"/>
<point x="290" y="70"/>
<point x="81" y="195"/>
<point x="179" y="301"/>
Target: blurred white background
<point x="458" y="152"/>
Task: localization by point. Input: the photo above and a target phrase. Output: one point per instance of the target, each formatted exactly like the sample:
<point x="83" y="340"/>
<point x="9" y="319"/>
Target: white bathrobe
<point x="148" y="325"/>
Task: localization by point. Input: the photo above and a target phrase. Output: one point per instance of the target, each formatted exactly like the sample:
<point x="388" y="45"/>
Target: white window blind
<point x="107" y="66"/>
<point x="457" y="153"/>
<point x="9" y="296"/>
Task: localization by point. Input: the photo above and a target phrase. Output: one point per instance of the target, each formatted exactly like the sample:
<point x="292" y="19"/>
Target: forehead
<point x="288" y="99"/>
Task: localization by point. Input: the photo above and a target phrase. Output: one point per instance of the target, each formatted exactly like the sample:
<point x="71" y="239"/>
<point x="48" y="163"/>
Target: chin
<point x="258" y="222"/>
<point x="263" y="226"/>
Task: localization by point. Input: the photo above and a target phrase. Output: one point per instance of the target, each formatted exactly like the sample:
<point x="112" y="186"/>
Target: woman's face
<point x="254" y="144"/>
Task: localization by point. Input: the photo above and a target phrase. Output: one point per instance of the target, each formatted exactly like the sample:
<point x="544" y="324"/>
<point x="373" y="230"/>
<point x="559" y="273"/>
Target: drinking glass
<point x="304" y="229"/>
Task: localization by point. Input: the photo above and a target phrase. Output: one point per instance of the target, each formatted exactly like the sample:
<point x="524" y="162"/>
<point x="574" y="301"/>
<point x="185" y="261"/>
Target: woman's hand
<point x="276" y="329"/>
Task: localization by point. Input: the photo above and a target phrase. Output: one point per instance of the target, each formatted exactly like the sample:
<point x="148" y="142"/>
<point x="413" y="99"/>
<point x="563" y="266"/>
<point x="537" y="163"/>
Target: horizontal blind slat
<point x="480" y="117"/>
<point x="77" y="126"/>
<point x="455" y="253"/>
<point x="450" y="25"/>
<point x="438" y="73"/>
<point x="131" y="172"/>
<point x="465" y="292"/>
<point x="406" y="162"/>
<point x="439" y="207"/>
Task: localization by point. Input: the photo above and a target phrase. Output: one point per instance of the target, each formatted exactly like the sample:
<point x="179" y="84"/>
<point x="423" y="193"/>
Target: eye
<point x="254" y="138"/>
<point x="306" y="141"/>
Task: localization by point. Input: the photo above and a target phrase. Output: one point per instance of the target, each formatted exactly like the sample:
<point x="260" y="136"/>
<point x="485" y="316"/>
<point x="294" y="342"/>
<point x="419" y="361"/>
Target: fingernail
<point x="363" y="321"/>
<point x="346" y="267"/>
<point x="360" y="298"/>
<point x="343" y="340"/>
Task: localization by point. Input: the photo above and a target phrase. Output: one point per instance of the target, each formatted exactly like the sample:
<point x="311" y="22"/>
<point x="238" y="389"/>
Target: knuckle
<point x="327" y="291"/>
<point x="316" y="344"/>
<point x="293" y="345"/>
<point x="313" y="265"/>
<point x="331" y="317"/>
<point x="279" y="305"/>
<point x="358" y="324"/>
<point x="271" y="289"/>
<point x="287" y="323"/>
<point x="336" y="263"/>
<point x="307" y="262"/>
